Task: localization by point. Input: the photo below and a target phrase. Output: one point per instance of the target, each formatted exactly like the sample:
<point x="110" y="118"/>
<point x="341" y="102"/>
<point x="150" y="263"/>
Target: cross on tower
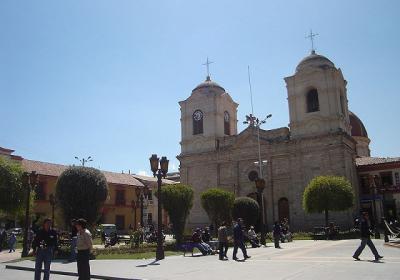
<point x="207" y="64"/>
<point x="311" y="37"/>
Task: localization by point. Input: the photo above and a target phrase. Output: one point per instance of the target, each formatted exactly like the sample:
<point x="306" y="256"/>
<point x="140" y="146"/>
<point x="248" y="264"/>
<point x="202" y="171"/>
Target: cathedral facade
<point x="318" y="141"/>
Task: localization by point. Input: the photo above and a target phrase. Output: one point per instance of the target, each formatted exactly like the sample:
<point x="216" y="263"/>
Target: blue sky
<point x="103" y="78"/>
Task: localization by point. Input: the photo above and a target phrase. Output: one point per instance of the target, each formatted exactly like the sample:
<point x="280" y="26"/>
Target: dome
<point x="314" y="61"/>
<point x="208" y="84"/>
<point x="357" y="127"/>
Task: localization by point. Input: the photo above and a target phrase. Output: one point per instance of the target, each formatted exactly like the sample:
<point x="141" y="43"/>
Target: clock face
<point x="226" y="116"/>
<point x="197" y="115"/>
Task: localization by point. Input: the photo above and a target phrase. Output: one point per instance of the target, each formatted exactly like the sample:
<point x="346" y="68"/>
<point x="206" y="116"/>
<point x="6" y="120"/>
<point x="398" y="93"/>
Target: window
<point x="386" y="179"/>
<point x="149" y="218"/>
<point x="120" y="222"/>
<point x="312" y="101"/>
<point x="197" y="122"/>
<point x="365" y="184"/>
<point x="119" y="197"/>
<point x="397" y="178"/>
<point x="40" y="194"/>
<point x="150" y="195"/>
<point x="227" y="128"/>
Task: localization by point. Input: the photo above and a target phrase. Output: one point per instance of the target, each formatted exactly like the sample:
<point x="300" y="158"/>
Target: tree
<point x="218" y="204"/>
<point x="177" y="200"/>
<point x="247" y="209"/>
<point x="81" y="192"/>
<point x="328" y="193"/>
<point x="12" y="191"/>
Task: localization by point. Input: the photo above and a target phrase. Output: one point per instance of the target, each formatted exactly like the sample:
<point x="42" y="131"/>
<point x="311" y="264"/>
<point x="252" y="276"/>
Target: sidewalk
<point x="5" y="256"/>
<point x="300" y="260"/>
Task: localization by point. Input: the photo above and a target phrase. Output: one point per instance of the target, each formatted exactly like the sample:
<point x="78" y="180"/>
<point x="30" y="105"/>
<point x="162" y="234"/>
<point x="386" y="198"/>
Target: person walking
<point x="366" y="238"/>
<point x="74" y="232"/>
<point x="84" y="246"/>
<point x="3" y="237"/>
<point x="222" y="241"/>
<point x="277" y="231"/>
<point x="238" y="240"/>
<point x="44" y="244"/>
<point x="11" y="242"/>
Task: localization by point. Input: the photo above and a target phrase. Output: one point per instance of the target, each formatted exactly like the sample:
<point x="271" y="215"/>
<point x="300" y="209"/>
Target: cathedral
<point x="323" y="138"/>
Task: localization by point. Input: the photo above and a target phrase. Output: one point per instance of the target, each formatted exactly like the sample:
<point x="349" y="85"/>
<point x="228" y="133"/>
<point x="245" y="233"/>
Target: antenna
<point x="251" y="91"/>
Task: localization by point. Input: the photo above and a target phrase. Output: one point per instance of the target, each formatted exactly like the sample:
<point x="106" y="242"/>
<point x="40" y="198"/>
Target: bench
<point x="319" y="233"/>
<point x="187" y="247"/>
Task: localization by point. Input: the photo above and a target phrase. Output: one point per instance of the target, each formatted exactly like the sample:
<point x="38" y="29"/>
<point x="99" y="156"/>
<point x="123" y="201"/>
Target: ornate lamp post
<point x="84" y="160"/>
<point x="373" y="188"/>
<point x="53" y="202"/>
<point x="133" y="205"/>
<point x="260" y="182"/>
<point x="160" y="173"/>
<point x="140" y="194"/>
<point x="30" y="182"/>
<point x="260" y="185"/>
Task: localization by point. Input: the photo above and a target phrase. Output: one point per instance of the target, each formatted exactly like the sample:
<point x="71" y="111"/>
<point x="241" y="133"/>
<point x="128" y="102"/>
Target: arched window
<point x="39" y="190"/>
<point x="283" y="208"/>
<point x="197" y="122"/>
<point x="227" y="120"/>
<point x="312" y="101"/>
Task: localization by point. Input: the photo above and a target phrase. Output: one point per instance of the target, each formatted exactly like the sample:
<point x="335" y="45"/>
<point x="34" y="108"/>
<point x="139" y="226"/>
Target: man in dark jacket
<point x="44" y="244"/>
<point x="238" y="240"/>
<point x="277" y="231"/>
<point x="366" y="238"/>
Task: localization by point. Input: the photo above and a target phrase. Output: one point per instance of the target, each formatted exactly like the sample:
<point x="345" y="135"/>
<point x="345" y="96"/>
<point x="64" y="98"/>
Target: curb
<point x="392" y="244"/>
<point x="92" y="276"/>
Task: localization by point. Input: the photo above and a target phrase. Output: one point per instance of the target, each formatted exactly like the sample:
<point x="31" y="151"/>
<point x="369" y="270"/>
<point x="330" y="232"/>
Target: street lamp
<point x="373" y="187"/>
<point x="140" y="194"/>
<point x="260" y="182"/>
<point x="52" y="200"/>
<point x="29" y="181"/>
<point x="133" y="205"/>
<point x="84" y="160"/>
<point x="160" y="173"/>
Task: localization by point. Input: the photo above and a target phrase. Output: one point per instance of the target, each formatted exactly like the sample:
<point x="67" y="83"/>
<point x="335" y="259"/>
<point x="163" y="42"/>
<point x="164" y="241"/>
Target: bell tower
<point x="317" y="98"/>
<point x="207" y="114"/>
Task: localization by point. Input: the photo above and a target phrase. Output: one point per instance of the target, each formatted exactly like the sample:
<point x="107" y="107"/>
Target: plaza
<point x="297" y="260"/>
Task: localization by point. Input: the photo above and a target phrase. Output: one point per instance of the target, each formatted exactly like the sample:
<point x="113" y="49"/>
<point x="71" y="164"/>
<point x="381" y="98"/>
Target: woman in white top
<point x="84" y="246"/>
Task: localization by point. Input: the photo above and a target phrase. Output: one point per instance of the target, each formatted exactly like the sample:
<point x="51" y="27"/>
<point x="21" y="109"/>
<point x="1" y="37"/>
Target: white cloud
<point x="142" y="173"/>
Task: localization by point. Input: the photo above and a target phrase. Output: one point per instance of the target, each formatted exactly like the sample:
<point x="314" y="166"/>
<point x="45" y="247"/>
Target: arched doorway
<point x="283" y="208"/>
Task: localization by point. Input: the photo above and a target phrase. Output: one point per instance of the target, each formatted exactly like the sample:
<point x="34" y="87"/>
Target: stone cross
<point x="311" y="37"/>
<point x="208" y="67"/>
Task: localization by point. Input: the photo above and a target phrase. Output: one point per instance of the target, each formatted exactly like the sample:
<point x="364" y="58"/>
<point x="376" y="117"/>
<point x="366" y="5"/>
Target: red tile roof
<point x="362" y="161"/>
<point x="52" y="169"/>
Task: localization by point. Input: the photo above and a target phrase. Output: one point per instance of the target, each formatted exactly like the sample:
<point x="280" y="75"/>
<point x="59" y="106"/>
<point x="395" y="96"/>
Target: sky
<point x="103" y="78"/>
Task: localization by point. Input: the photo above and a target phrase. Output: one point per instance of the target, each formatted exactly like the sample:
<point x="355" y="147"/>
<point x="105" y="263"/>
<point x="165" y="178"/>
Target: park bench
<point x="187" y="247"/>
<point x="319" y="233"/>
<point x="393" y="233"/>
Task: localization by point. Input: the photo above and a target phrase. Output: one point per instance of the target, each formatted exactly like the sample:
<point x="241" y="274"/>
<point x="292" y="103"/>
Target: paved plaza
<point x="328" y="260"/>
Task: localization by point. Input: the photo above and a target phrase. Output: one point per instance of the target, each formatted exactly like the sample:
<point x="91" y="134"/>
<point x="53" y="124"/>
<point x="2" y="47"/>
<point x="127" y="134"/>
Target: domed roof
<point x="208" y="84"/>
<point x="314" y="61"/>
<point x="357" y="126"/>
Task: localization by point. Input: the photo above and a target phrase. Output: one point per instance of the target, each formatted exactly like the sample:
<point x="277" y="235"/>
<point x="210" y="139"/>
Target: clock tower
<point x="206" y="115"/>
